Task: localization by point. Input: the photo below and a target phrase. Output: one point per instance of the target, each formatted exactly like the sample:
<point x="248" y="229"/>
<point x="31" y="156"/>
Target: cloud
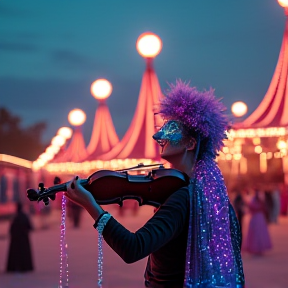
<point x="17" y="47"/>
<point x="68" y="59"/>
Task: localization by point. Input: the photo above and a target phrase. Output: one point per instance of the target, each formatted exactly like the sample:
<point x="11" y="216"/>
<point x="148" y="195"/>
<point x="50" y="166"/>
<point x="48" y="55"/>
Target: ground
<point x="267" y="271"/>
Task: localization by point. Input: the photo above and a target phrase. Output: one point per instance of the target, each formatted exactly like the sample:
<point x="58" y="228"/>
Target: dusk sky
<point x="51" y="52"/>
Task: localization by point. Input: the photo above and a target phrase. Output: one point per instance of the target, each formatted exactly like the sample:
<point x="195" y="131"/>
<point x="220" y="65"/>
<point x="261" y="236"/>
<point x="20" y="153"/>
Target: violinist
<point x="193" y="239"/>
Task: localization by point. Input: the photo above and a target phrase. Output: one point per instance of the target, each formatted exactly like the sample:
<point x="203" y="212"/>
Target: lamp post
<point x="104" y="136"/>
<point x="149" y="45"/>
<point x="76" y="150"/>
<point x="239" y="162"/>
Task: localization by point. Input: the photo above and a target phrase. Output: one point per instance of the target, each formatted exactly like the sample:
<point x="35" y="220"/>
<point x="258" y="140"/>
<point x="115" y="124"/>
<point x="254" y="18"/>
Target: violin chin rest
<point x="32" y="195"/>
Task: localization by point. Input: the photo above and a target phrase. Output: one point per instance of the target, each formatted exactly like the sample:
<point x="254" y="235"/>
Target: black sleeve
<point x="165" y="225"/>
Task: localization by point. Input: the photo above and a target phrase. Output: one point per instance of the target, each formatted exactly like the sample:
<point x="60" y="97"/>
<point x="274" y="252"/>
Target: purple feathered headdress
<point x="199" y="112"/>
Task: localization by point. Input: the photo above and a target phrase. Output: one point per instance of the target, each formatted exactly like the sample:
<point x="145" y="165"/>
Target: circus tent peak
<point x="273" y="110"/>
<point x="76" y="150"/>
<point x="104" y="136"/>
<point x="137" y="143"/>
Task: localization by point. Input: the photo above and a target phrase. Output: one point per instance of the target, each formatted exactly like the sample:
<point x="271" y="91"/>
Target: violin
<point x="113" y="187"/>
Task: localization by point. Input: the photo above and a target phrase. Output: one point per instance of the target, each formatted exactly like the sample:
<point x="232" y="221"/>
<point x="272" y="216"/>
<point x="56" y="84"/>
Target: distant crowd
<point x="256" y="208"/>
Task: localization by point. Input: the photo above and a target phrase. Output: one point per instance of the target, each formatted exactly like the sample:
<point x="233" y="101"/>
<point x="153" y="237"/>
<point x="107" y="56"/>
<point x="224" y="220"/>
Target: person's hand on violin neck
<point x="79" y="195"/>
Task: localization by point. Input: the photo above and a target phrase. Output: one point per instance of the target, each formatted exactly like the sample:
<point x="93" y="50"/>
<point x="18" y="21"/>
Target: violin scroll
<point x="32" y="195"/>
<point x="39" y="195"/>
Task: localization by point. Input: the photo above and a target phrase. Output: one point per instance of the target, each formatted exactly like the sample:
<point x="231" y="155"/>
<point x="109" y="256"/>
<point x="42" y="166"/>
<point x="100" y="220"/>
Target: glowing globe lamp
<point x="39" y="163"/>
<point x="35" y="165"/>
<point x="50" y="153"/>
<point x="101" y="89"/>
<point x="46" y="157"/>
<point x="66" y="132"/>
<point x="239" y="109"/>
<point x="76" y="117"/>
<point x="281" y="144"/>
<point x="52" y="149"/>
<point x="258" y="149"/>
<point x="58" y="141"/>
<point x="149" y="45"/>
<point x="283" y="3"/>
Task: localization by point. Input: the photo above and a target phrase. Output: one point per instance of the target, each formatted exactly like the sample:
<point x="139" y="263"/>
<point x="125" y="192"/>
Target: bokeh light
<point x="283" y="3"/>
<point x="101" y="89"/>
<point x="52" y="149"/>
<point x="149" y="45"/>
<point x="39" y="163"/>
<point x="46" y="157"/>
<point x="239" y="109"/>
<point x="66" y="132"/>
<point x="281" y="144"/>
<point x="258" y="149"/>
<point x="76" y="117"/>
<point x="58" y="141"/>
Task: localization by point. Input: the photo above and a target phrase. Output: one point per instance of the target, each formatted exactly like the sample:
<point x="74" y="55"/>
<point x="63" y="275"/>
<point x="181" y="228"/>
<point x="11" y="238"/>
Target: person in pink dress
<point x="258" y="239"/>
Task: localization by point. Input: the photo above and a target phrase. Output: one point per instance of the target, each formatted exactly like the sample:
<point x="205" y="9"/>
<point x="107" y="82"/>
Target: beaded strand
<point x="64" y="279"/>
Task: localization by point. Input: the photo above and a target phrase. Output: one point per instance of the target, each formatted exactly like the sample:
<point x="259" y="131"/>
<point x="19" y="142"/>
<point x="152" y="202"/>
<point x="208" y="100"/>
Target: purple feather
<point x="200" y="112"/>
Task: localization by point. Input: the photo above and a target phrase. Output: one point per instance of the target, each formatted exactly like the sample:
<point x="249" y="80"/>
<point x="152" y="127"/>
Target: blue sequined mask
<point x="171" y="131"/>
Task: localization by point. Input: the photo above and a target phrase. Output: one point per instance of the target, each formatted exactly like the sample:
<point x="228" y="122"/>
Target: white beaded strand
<point x="104" y="218"/>
<point x="100" y="260"/>
<point x="63" y="281"/>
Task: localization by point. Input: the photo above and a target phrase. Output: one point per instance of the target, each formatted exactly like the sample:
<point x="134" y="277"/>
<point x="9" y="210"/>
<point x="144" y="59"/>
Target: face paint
<point x="171" y="131"/>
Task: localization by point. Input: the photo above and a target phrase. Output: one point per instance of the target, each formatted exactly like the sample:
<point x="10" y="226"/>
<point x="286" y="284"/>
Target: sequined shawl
<point x="210" y="261"/>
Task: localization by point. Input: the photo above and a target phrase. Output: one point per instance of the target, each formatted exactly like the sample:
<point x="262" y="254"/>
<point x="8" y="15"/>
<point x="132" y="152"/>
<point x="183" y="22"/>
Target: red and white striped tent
<point x="104" y="136"/>
<point x="273" y="110"/>
<point x="105" y="150"/>
<point x="137" y="142"/>
<point x="258" y="146"/>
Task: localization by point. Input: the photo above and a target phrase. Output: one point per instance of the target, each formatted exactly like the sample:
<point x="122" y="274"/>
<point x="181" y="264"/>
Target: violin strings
<point x="63" y="281"/>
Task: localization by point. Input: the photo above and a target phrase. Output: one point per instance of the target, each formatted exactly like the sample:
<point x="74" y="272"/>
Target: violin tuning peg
<point x="46" y="200"/>
<point x="41" y="187"/>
